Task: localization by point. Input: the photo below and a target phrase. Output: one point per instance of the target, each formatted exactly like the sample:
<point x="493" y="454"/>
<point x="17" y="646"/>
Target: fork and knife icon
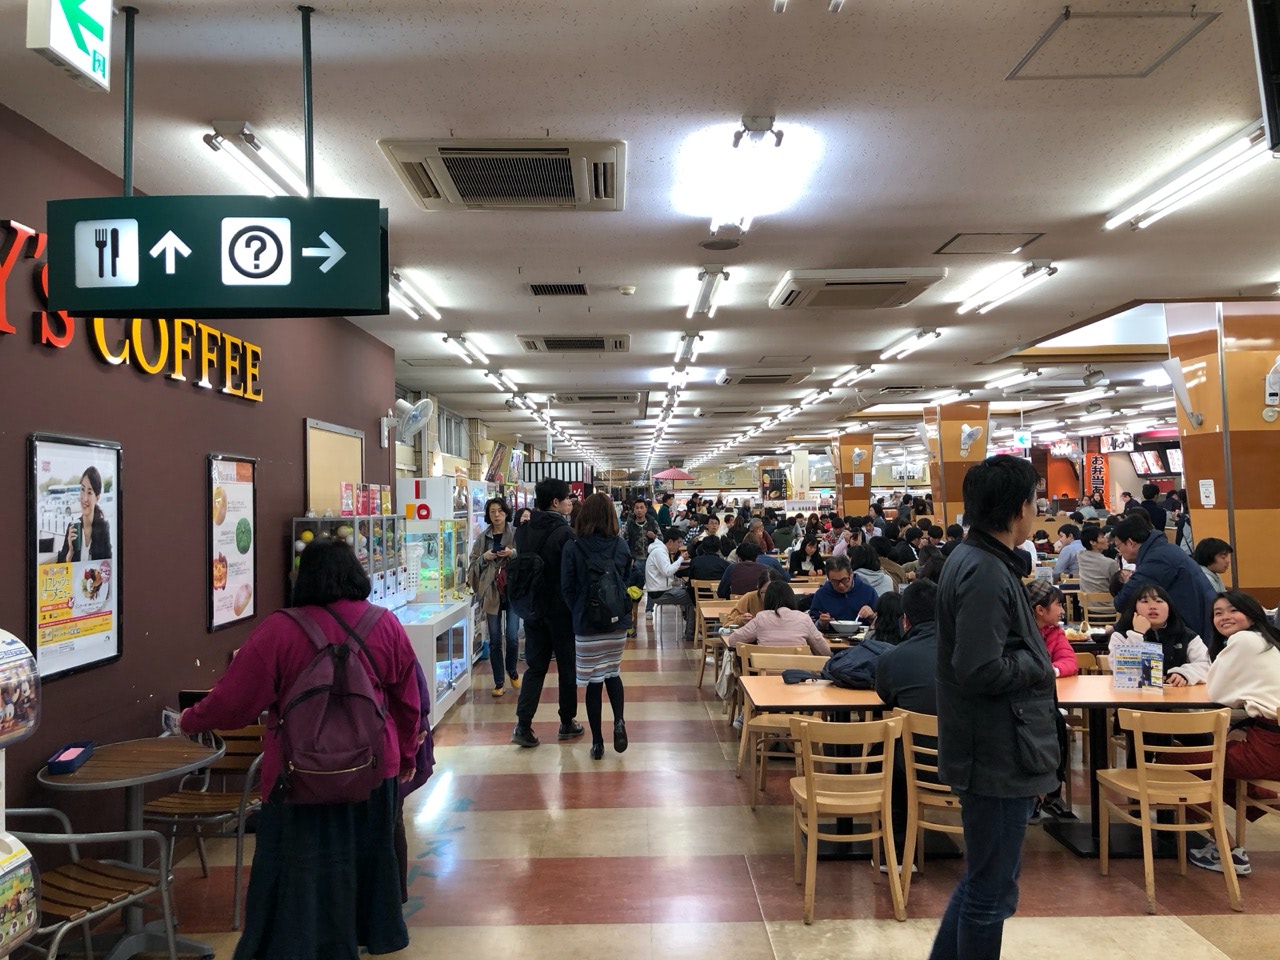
<point x="100" y="239"/>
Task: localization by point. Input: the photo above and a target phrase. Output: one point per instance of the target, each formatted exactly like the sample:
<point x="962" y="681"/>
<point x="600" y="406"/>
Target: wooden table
<point x="1097" y="695"/>
<point x="771" y="693"/>
<point x="129" y="766"/>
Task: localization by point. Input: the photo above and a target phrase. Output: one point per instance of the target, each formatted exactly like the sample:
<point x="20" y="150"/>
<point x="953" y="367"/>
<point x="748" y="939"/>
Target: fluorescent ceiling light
<point x="1168" y="404"/>
<point x="704" y="298"/>
<point x="687" y="350"/>
<point x="465" y="349"/>
<point x="817" y="396"/>
<point x="235" y="141"/>
<point x="409" y="298"/>
<point x="1089" y="395"/>
<point x="1002" y="383"/>
<point x="454" y="344"/>
<point x="1010" y="285"/>
<point x="911" y="344"/>
<point x="503" y="382"/>
<point x="1196" y="178"/>
<point x="1101" y="415"/>
<point x="1045" y="425"/>
<point x="853" y="376"/>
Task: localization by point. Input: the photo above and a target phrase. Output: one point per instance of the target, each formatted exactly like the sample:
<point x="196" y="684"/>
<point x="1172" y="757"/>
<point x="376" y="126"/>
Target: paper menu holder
<point x="19" y="894"/>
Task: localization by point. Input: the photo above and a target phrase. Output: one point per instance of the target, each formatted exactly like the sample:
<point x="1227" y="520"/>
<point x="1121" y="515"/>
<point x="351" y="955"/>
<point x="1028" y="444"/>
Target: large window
<point x="453" y="434"/>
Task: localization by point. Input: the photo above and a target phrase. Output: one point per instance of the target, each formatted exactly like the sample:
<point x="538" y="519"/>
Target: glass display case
<point x="440" y="634"/>
<point x="379" y="543"/>
<point x="436" y="552"/>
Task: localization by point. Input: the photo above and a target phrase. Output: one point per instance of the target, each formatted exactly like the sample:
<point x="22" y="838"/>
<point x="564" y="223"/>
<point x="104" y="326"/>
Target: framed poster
<point x="233" y="534"/>
<point x="75" y="569"/>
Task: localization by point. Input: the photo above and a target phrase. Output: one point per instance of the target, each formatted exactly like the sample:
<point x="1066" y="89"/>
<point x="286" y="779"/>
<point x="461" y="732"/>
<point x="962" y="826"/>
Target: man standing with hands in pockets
<point x="998" y="744"/>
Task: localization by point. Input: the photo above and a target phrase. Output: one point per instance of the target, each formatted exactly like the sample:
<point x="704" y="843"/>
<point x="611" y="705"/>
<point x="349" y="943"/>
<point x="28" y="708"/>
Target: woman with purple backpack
<point x="325" y="877"/>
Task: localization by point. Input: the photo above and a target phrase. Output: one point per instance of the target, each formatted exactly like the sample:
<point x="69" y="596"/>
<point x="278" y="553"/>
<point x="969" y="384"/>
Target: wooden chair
<point x="79" y="893"/>
<point x="754" y="724"/>
<point x="195" y="807"/>
<point x="1244" y="803"/>
<point x="1132" y="794"/>
<point x="766" y="730"/>
<point x="710" y="614"/>
<point x="704" y="589"/>
<point x="930" y="803"/>
<point x="1078" y="719"/>
<point x="833" y="784"/>
<point x="1098" y="610"/>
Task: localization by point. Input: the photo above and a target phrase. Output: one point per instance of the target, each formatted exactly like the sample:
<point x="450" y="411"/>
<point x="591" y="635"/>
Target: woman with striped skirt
<point x="599" y="655"/>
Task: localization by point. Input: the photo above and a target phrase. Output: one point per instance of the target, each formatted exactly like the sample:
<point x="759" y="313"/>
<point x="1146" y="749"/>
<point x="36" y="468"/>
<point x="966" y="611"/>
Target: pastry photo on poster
<point x="73" y="522"/>
<point x="232" y="536"/>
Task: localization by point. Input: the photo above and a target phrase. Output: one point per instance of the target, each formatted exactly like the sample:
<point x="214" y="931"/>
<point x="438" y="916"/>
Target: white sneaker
<point x="1210" y="858"/>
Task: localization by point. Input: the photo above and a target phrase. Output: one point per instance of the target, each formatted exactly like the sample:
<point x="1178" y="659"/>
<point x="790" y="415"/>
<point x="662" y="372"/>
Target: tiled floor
<point x="655" y="853"/>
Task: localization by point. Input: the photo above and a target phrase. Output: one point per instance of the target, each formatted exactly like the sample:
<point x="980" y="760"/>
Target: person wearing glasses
<point x="842" y="597"/>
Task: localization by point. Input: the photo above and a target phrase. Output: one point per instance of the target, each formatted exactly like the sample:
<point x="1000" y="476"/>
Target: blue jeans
<point x="987" y="895"/>
<point x="500" y="670"/>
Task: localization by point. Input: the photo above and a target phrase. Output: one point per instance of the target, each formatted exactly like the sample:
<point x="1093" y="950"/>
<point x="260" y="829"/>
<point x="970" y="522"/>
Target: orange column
<point x="1226" y="351"/>
<point x="963" y="432"/>
<point x="857" y="454"/>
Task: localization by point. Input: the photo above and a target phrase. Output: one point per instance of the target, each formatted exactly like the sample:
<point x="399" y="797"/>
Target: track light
<point x="1010" y="285"/>
<point x="409" y="298"/>
<point x="1092" y="407"/>
<point x="234" y="141"/>
<point x="687" y="349"/>
<point x="1093" y="377"/>
<point x="910" y="345"/>
<point x="1012" y="379"/>
<point x="1213" y="168"/>
<point x="704" y="300"/>
<point x="853" y="376"/>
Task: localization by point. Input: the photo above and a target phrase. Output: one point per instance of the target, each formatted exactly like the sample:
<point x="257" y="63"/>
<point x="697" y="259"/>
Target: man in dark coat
<point x="998" y="740"/>
<point x="1159" y="561"/>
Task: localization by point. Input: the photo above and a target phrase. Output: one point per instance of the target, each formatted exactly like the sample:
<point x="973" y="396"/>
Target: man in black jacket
<point x="708" y="564"/>
<point x="1158" y="514"/>
<point x="998" y="742"/>
<point x="550" y="632"/>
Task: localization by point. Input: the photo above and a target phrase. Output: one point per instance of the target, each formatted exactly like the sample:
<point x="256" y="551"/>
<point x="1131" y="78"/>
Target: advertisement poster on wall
<point x="73" y="526"/>
<point x="233" y="583"/>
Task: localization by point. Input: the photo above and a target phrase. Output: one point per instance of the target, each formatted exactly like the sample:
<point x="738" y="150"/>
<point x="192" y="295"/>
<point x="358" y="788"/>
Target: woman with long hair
<point x="324" y="877"/>
<point x="492" y="549"/>
<point x="89" y="538"/>
<point x="523" y="516"/>
<point x="888" y="623"/>
<point x="780" y="623"/>
<point x="807" y="560"/>
<point x="598" y="654"/>
<point x="1151" y="616"/>
<point x="1246" y="677"/>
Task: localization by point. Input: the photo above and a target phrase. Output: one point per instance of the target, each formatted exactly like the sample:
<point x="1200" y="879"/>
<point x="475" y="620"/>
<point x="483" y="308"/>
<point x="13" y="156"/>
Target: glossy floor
<point x="656" y="853"/>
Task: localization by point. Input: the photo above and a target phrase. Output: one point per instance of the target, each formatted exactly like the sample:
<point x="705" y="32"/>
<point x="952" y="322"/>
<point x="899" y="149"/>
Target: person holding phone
<point x="88" y="538"/>
<point x="489" y="555"/>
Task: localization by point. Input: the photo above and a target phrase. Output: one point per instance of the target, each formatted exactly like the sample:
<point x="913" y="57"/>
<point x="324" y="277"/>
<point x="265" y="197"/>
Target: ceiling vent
<point x="510" y="174"/>
<point x="900" y="391"/>
<point x="575" y="343"/>
<point x="558" y="289"/>
<point x="578" y="399"/>
<point x="853" y="289"/>
<point x="756" y="377"/>
<point x="736" y="413"/>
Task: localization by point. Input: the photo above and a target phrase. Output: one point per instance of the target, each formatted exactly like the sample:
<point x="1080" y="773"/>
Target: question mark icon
<point x="258" y="244"/>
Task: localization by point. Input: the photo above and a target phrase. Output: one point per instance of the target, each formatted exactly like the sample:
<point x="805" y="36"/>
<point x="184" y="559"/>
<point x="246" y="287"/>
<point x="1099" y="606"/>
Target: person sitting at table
<point x="756" y="526"/>
<point x="1047" y="603"/>
<point x="1158" y="561"/>
<point x="833" y="535"/>
<point x="955" y="537"/>
<point x="742" y="576"/>
<point x="1068" y="549"/>
<point x="784" y="534"/>
<point x="1151" y="615"/>
<point x="753" y="537"/>
<point x="887" y="627"/>
<point x="842" y="597"/>
<point x="661" y="577"/>
<point x="1096" y="568"/>
<point x="908" y="548"/>
<point x="707" y="564"/>
<point x="1246" y="677"/>
<point x="884" y="549"/>
<point x="780" y="624"/>
<point x="749" y="604"/>
<point x="866" y="567"/>
<point x="1214" y="557"/>
<point x="324" y="876"/>
<point x="1040" y="540"/>
<point x="930" y="565"/>
<point x="807" y="561"/>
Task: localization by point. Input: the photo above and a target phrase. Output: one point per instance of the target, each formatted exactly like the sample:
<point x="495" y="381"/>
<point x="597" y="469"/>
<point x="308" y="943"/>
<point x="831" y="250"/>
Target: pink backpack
<point x="331" y="722"/>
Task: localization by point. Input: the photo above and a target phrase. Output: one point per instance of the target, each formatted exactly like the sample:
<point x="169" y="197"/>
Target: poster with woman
<point x="233" y="582"/>
<point x="73" y="528"/>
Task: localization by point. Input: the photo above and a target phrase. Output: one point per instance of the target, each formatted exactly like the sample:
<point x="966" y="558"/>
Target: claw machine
<point x="437" y="614"/>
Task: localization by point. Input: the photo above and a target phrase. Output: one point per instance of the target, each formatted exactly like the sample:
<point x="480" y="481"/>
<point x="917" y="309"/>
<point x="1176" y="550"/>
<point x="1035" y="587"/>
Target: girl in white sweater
<point x="1245" y="677"/>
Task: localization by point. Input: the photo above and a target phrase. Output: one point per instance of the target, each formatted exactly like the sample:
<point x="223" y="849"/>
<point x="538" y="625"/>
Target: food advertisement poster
<point x="74" y="536"/>
<point x="233" y="531"/>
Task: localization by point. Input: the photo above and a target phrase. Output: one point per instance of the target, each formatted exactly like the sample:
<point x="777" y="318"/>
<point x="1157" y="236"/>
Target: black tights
<point x="592" y="700"/>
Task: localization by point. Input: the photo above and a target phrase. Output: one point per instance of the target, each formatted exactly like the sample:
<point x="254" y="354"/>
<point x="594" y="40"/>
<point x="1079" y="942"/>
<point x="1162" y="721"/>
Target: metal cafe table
<point x="129" y="766"/>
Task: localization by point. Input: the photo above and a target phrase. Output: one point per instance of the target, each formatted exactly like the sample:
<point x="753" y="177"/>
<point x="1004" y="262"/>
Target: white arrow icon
<point x="331" y="250"/>
<point x="170" y="245"/>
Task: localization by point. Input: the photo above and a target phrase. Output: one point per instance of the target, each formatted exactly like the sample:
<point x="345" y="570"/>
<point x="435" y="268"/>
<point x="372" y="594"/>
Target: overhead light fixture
<point x="853" y="376"/>
<point x="779" y="6"/>
<point x="751" y="159"/>
<point x="687" y="350"/>
<point x="1088" y="395"/>
<point x="1194" y="179"/>
<point x="465" y="349"/>
<point x="704" y="300"/>
<point x="502" y="381"/>
<point x="235" y="142"/>
<point x="1092" y="407"/>
<point x="1093" y="377"/>
<point x="816" y="396"/>
<point x="952" y="397"/>
<point x="408" y="297"/>
<point x="1010" y="285"/>
<point x="1096" y="414"/>
<point x="1003" y="383"/>
<point x="910" y="345"/>
<point x="1168" y="404"/>
<point x="677" y="378"/>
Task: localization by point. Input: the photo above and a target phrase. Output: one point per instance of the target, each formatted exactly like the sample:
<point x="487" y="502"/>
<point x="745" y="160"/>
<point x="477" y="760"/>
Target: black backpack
<point x="853" y="668"/>
<point x="524" y="583"/>
<point x="604" y="601"/>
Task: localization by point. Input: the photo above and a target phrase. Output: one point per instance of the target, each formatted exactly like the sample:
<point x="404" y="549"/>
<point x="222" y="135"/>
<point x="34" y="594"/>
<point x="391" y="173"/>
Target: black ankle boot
<point x="597" y="750"/>
<point x="620" y="736"/>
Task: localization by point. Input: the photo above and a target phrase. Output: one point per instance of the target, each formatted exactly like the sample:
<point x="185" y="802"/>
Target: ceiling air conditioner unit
<point x="762" y="377"/>
<point x="586" y="175"/>
<point x="853" y="289"/>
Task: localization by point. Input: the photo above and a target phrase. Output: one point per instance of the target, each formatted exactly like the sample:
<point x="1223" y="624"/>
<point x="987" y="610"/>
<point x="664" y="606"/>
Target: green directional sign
<point x="76" y="35"/>
<point x="217" y="257"/>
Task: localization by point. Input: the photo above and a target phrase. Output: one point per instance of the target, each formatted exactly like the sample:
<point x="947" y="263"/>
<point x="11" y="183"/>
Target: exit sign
<point x="74" y="34"/>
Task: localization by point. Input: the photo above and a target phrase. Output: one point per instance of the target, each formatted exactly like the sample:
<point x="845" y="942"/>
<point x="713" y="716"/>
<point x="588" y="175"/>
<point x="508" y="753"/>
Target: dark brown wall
<point x="322" y="368"/>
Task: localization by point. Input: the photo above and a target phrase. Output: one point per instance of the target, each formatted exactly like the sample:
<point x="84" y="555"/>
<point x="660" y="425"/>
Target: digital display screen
<point x="1154" y="461"/>
<point x="1174" y="455"/>
<point x="1139" y="464"/>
